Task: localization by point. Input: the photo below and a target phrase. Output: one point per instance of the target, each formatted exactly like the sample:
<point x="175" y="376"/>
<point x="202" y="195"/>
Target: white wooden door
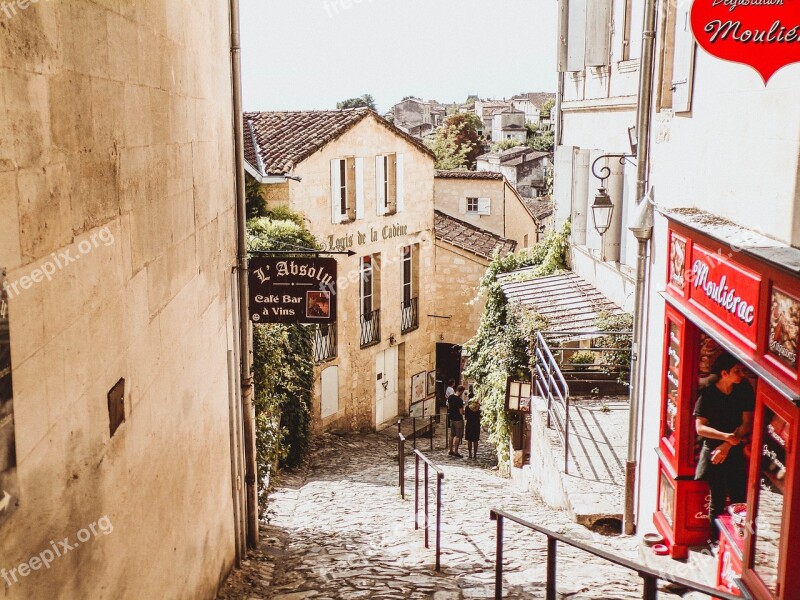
<point x="385" y="385"/>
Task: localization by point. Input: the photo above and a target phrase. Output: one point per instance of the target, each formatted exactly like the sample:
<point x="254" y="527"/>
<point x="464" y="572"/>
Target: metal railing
<point x="325" y="343"/>
<point x="431" y="431"/>
<point x="439" y="478"/>
<point x="550" y="385"/>
<point x="649" y="576"/>
<point x="409" y="315"/>
<point x="371" y="328"/>
<point x="401" y="461"/>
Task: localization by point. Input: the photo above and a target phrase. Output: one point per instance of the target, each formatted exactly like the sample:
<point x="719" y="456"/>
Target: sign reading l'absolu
<point x="292" y="290"/>
<point x="764" y="34"/>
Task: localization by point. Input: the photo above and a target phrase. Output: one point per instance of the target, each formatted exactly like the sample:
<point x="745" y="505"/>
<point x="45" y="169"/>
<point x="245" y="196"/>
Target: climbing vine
<point x="283" y="362"/>
<point x="502" y="346"/>
<point x="618" y="360"/>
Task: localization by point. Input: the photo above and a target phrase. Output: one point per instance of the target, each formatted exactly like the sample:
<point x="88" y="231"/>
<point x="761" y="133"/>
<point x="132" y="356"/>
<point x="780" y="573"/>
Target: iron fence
<point x="371" y="328"/>
<point x="325" y="347"/>
<point x="409" y="315"/>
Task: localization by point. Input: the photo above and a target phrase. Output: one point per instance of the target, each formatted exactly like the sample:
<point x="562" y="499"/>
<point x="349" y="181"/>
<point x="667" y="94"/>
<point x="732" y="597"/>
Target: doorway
<point x="448" y="366"/>
<point x="385" y="386"/>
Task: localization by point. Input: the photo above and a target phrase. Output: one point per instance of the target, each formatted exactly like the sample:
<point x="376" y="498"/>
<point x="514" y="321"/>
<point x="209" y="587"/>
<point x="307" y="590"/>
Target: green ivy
<point x="283" y="362"/>
<point x="618" y="360"/>
<point x="502" y="346"/>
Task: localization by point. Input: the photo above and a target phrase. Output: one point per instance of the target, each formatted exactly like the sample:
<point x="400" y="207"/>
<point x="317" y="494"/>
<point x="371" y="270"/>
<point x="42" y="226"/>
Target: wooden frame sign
<point x="292" y="290"/>
<point x="518" y="396"/>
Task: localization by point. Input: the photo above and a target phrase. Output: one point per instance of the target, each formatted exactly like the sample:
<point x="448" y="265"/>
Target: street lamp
<point x="602" y="209"/>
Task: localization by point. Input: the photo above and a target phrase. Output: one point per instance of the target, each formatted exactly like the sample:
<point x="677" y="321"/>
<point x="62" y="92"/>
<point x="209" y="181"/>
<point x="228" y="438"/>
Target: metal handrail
<point x="649" y="576"/>
<point x="551" y="385"/>
<point x="439" y="477"/>
<point x="371" y="328"/>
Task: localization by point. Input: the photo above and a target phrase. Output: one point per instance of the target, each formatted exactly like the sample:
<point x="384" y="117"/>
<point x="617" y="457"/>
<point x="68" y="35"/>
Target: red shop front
<point x="723" y="301"/>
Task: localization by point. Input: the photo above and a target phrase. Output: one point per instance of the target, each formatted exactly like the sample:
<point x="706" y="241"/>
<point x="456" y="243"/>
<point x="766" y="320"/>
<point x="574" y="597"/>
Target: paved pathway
<point x="339" y="529"/>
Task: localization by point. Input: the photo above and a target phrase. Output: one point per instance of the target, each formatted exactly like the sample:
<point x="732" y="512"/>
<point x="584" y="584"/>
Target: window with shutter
<point x="576" y="35"/>
<point x="683" y="60"/>
<point x="598" y="33"/>
<point x="634" y="22"/>
<point x="472" y="205"/>
<point x="484" y="206"/>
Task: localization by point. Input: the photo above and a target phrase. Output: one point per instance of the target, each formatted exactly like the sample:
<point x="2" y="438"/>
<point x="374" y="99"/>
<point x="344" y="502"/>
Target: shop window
<point x="770" y="499"/>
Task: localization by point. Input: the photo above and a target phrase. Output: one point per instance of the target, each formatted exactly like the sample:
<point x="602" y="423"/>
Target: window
<point x="370" y="300"/>
<point x="525" y="241"/>
<point x="677" y="67"/>
<point x="633" y="25"/>
<point x="478" y="206"/>
<point x="409" y="308"/>
<point x="366" y="285"/>
<point x="389" y="183"/>
<point x="584" y="34"/>
<point x="408" y="287"/>
<point x="347" y="189"/>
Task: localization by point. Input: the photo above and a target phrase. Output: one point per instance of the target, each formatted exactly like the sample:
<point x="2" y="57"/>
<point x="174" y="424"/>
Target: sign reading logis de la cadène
<point x="292" y="290"/>
<point x="358" y="238"/>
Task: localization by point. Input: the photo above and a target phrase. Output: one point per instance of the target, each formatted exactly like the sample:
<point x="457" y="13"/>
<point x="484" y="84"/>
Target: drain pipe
<point x="245" y="341"/>
<point x="642" y="228"/>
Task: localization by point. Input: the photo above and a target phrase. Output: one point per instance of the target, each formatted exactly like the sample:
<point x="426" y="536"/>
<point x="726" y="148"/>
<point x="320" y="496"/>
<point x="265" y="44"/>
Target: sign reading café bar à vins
<point x="292" y="290"/>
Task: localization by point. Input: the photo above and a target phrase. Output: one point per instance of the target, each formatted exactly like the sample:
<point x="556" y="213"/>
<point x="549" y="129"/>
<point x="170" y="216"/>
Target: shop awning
<point x="567" y="301"/>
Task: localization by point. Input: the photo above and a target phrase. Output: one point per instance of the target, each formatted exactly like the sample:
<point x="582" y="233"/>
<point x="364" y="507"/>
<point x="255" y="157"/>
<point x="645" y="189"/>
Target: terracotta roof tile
<point x="468" y="237"/>
<point x="462" y="174"/>
<point x="284" y="139"/>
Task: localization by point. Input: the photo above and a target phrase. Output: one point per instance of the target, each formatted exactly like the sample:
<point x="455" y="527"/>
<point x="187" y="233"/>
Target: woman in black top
<point x="472" y="414"/>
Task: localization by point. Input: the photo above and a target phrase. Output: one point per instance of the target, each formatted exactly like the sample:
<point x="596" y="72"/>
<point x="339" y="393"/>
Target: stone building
<point x="363" y="185"/>
<point x="509" y="124"/>
<point x="486" y="201"/>
<point x="117" y="235"/>
<point x="477" y="213"/>
<point x="418" y="117"/>
<point x="531" y="104"/>
<point x="524" y="167"/>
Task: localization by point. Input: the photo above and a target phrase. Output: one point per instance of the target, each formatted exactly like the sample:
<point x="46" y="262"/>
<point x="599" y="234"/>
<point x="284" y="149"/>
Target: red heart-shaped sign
<point x="764" y="34"/>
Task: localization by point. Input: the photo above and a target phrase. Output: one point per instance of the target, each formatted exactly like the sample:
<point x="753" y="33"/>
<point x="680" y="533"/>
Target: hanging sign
<point x="725" y="291"/>
<point x="292" y="290"/>
<point x="764" y="34"/>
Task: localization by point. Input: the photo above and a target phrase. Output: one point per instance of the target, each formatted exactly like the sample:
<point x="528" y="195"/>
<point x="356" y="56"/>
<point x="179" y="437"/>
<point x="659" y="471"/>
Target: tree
<point x="457" y="143"/>
<point x="362" y="101"/>
<point x="283" y="361"/>
<point x="506" y="145"/>
<point x="542" y="140"/>
<point x="547" y="109"/>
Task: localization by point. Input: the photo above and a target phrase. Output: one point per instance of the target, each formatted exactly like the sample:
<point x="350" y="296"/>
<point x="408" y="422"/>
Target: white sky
<point x="309" y="54"/>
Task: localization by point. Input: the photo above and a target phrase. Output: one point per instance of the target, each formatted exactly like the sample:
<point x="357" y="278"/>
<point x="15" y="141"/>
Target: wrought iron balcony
<point x="325" y="343"/>
<point x="370" y="328"/>
<point x="409" y="315"/>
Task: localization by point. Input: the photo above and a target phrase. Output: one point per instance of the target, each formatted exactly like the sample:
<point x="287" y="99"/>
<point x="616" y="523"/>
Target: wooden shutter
<point x="635" y="26"/>
<point x="380" y="191"/>
<point x="563" y="34"/>
<point x="336" y="183"/>
<point x="580" y="195"/>
<point x="598" y="33"/>
<point x="359" y="188"/>
<point x="400" y="183"/>
<point x="562" y="185"/>
<point x="484" y="206"/>
<point x="683" y="61"/>
<point x="576" y="35"/>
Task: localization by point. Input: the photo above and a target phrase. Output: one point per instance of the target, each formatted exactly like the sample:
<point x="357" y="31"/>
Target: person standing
<point x="723" y="417"/>
<point x="449" y="391"/>
<point x="472" y="427"/>
<point x="455" y="412"/>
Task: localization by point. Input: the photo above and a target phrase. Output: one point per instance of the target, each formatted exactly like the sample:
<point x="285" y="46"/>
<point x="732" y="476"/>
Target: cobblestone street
<point x="339" y="529"/>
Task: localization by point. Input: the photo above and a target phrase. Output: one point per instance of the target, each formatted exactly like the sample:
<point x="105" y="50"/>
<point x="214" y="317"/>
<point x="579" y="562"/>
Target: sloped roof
<point x="517" y="152"/>
<point x="537" y="98"/>
<point x="567" y="301"/>
<point x="469" y="237"/>
<point x="539" y="208"/>
<point x="463" y="174"/>
<point x="281" y="140"/>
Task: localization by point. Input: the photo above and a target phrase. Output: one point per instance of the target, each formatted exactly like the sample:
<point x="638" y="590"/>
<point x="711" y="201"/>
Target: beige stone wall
<point x="458" y="275"/>
<point x="115" y="138"/>
<point x="450" y="197"/>
<point x="519" y="222"/>
<point x="381" y="234"/>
